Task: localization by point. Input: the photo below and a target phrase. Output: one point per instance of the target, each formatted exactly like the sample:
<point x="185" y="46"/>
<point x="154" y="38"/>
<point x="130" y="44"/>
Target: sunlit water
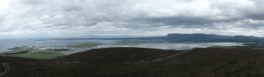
<point x="5" y="44"/>
<point x="179" y="46"/>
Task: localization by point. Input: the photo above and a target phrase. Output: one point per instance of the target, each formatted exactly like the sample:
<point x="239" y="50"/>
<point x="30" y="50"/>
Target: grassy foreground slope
<point x="116" y="55"/>
<point x="215" y="62"/>
<point x="40" y="54"/>
<point x="114" y="62"/>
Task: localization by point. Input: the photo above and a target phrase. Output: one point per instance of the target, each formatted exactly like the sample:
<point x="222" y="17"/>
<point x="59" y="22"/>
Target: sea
<point x="11" y="43"/>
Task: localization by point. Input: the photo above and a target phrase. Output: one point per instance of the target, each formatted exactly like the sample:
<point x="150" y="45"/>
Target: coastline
<point x="49" y="52"/>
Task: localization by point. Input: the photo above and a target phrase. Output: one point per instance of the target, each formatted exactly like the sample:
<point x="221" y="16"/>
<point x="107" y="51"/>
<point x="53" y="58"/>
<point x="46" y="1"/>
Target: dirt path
<point x="75" y="50"/>
<point x="163" y="58"/>
<point x="6" y="69"/>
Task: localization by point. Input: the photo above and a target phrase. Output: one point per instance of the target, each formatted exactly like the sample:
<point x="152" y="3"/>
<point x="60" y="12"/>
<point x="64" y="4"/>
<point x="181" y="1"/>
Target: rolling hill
<point x="120" y="62"/>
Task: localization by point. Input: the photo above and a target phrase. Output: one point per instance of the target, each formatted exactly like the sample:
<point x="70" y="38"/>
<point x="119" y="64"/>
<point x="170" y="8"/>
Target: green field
<point x="85" y="45"/>
<point x="38" y="55"/>
<point x="228" y="47"/>
<point x="41" y="54"/>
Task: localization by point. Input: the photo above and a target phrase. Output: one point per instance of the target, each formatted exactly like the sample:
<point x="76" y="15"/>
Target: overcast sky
<point x="49" y="18"/>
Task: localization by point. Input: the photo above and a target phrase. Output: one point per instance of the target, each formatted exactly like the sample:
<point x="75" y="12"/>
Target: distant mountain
<point x="95" y="36"/>
<point x="197" y="36"/>
<point x="176" y="37"/>
<point x="248" y="38"/>
<point x="213" y="38"/>
<point x="245" y="37"/>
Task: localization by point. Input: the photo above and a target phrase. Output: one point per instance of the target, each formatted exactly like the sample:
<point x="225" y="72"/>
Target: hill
<point x="119" y="62"/>
<point x="213" y="38"/>
<point x="176" y="37"/>
<point x="115" y="55"/>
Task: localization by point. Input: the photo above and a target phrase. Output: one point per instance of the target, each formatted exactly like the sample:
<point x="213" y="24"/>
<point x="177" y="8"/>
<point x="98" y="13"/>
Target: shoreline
<point x="146" y="45"/>
<point x="46" y="52"/>
<point x="82" y="47"/>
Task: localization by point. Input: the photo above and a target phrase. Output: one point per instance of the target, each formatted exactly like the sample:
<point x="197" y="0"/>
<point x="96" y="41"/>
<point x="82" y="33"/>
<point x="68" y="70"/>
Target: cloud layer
<point x="35" y="18"/>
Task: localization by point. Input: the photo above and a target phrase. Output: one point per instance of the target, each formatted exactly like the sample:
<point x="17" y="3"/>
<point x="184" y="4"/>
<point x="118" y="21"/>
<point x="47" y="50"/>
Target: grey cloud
<point x="72" y="8"/>
<point x="128" y="14"/>
<point x="109" y="11"/>
<point x="255" y="16"/>
<point x="33" y="2"/>
<point x="252" y="24"/>
<point x="184" y="21"/>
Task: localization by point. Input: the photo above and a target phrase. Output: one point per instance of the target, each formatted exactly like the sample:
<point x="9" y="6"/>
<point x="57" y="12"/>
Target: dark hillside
<point x="114" y="62"/>
<point x="17" y="59"/>
<point x="116" y="55"/>
<point x="217" y="62"/>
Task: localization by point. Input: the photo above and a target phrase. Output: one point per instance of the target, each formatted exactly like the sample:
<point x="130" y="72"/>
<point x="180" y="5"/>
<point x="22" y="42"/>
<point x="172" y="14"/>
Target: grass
<point x="38" y="55"/>
<point x="258" y="48"/>
<point x="85" y="45"/>
<point x="41" y="54"/>
<point x="199" y="62"/>
<point x="212" y="62"/>
<point x="117" y="55"/>
<point x="227" y="47"/>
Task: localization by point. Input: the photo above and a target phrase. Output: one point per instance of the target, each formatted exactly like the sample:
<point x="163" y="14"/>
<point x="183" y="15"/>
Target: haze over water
<point x="5" y="44"/>
<point x="175" y="46"/>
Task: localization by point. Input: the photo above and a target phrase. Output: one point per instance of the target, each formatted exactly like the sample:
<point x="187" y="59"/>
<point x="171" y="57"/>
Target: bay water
<point x="5" y="44"/>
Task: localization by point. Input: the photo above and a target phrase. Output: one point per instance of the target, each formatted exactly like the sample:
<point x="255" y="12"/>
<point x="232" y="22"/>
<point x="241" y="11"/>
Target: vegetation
<point x="112" y="62"/>
<point x="116" y="55"/>
<point x="45" y="54"/>
<point x="258" y="48"/>
<point x="85" y="45"/>
<point x="41" y="54"/>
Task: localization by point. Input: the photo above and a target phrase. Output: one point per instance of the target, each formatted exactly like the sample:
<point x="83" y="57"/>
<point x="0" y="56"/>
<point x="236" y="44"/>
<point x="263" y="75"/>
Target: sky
<point x="71" y="18"/>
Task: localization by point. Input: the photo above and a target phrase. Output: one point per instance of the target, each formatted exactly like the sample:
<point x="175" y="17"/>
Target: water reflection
<point x="179" y="46"/>
<point x="5" y="44"/>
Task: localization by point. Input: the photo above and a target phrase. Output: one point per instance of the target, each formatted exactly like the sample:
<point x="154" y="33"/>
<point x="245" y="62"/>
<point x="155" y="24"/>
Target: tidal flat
<point x="49" y="52"/>
<point x="44" y="52"/>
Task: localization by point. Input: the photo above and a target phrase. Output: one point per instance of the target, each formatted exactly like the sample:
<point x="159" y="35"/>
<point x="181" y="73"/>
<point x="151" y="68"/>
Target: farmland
<point x="36" y="54"/>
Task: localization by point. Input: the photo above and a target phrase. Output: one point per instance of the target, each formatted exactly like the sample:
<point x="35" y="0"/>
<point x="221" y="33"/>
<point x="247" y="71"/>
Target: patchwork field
<point x="36" y="54"/>
<point x="40" y="55"/>
<point x="46" y="54"/>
